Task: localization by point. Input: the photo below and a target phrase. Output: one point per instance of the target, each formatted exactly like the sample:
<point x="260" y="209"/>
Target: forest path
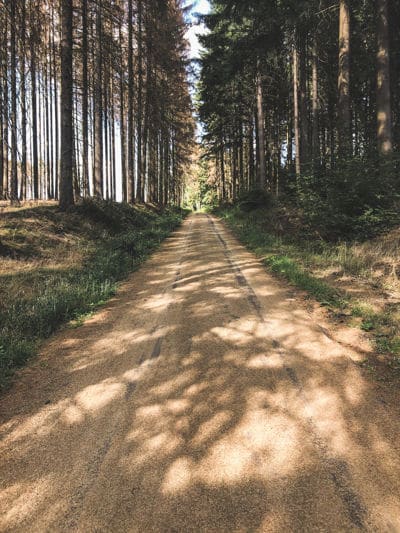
<point x="202" y="398"/>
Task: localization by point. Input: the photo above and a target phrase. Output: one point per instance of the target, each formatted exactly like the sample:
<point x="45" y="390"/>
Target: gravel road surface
<point x="203" y="398"/>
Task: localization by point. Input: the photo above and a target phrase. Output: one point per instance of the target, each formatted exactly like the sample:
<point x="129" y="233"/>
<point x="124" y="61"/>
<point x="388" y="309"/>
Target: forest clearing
<point x="199" y="266"/>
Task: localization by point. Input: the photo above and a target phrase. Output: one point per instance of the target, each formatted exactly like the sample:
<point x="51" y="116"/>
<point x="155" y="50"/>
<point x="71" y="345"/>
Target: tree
<point x="344" y="113"/>
<point x="67" y="136"/>
<point x="14" y="126"/>
<point x="261" y="131"/>
<point x="384" y="108"/>
<point x="303" y="100"/>
<point x="129" y="90"/>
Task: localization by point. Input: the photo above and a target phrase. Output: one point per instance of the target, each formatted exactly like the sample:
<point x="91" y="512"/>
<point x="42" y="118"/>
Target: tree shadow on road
<point x="178" y="409"/>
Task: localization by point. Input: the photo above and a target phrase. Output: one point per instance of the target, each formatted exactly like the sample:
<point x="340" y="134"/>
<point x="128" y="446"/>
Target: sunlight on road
<point x="212" y="403"/>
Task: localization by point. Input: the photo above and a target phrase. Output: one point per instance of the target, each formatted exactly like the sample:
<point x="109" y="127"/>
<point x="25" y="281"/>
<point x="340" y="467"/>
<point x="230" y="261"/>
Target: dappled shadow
<point x="202" y="398"/>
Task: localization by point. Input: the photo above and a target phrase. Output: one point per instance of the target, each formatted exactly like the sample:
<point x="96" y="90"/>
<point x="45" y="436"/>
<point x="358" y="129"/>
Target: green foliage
<point x="253" y="41"/>
<point x="358" y="198"/>
<point x="255" y="199"/>
<point x="69" y="294"/>
<point x="202" y="192"/>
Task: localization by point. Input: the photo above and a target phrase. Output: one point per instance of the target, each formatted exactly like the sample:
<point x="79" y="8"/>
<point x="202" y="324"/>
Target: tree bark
<point x="35" y="155"/>
<point x="383" y="100"/>
<point x="125" y="195"/>
<point x="98" y="110"/>
<point x="261" y="132"/>
<point x="303" y="105"/>
<point x="344" y="112"/>
<point x="14" y="146"/>
<point x="296" y="109"/>
<point x="139" y="103"/>
<point x="23" y="104"/>
<point x="67" y="132"/>
<point x="315" y="110"/>
<point x="2" y="141"/>
<point x="131" y="124"/>
<point x="85" y="101"/>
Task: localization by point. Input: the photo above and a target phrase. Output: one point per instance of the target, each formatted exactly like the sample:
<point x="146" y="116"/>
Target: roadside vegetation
<point x="300" y="99"/>
<point x="58" y="267"/>
<point x="357" y="280"/>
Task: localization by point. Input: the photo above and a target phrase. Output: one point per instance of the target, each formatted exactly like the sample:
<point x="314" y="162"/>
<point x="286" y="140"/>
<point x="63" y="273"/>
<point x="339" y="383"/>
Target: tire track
<point x="71" y="521"/>
<point x="337" y="469"/>
<point x="156" y="351"/>
<point x="240" y="277"/>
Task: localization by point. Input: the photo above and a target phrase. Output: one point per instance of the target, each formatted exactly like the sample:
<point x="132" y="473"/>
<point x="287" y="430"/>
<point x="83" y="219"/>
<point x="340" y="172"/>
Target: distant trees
<point x="94" y="100"/>
<point x="324" y="74"/>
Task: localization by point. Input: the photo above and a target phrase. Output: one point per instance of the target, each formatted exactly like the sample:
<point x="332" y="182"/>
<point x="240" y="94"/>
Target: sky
<point x="202" y="7"/>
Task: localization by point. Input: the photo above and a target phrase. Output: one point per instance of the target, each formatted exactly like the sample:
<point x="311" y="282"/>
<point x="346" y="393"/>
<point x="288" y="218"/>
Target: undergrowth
<point x="299" y="260"/>
<point x="112" y="240"/>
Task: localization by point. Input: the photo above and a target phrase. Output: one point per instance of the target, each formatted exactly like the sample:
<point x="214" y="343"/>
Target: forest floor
<point x="206" y="396"/>
<point x="56" y="267"/>
<point x="356" y="282"/>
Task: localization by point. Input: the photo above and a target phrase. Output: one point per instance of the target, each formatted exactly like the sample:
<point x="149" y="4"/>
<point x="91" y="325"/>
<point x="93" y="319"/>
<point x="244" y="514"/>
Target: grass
<point x="282" y="258"/>
<point x="293" y="272"/>
<point x="56" y="267"/>
<point x="315" y="266"/>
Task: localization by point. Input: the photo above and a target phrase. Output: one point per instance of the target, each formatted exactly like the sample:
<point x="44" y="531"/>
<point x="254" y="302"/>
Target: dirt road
<point x="203" y="398"/>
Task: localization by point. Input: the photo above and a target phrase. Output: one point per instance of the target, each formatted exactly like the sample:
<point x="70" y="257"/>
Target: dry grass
<point x="377" y="260"/>
<point x="56" y="267"/>
<point x="357" y="282"/>
<point x="35" y="242"/>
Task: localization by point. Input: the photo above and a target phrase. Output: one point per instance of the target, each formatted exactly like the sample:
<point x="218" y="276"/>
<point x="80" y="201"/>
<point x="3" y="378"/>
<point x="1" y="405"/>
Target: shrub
<point x="255" y="199"/>
<point x="358" y="198"/>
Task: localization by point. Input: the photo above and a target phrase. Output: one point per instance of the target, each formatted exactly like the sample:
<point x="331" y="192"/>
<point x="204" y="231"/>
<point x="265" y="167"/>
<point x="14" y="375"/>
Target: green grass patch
<point x="296" y="259"/>
<point x="281" y="257"/>
<point x="288" y="268"/>
<point x="112" y="239"/>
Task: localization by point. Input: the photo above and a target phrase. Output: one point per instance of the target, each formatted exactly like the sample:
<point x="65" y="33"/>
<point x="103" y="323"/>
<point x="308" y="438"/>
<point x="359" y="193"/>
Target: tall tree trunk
<point x="124" y="183"/>
<point x="222" y="169"/>
<point x="131" y="125"/>
<point x="383" y="97"/>
<point x="56" y="116"/>
<point x="261" y="132"/>
<point x="315" y="110"/>
<point x="67" y="131"/>
<point x="2" y="141"/>
<point x="289" y="126"/>
<point x="251" y="163"/>
<point x="296" y="109"/>
<point x="241" y="158"/>
<point x="85" y="101"/>
<point x="344" y="112"/>
<point x="139" y="176"/>
<point x="303" y="104"/>
<point x="112" y="146"/>
<point x="47" y="133"/>
<point x="35" y="155"/>
<point x="146" y="142"/>
<point x="23" y="104"/>
<point x="14" y="125"/>
<point x="105" y="130"/>
<point x="98" y="110"/>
